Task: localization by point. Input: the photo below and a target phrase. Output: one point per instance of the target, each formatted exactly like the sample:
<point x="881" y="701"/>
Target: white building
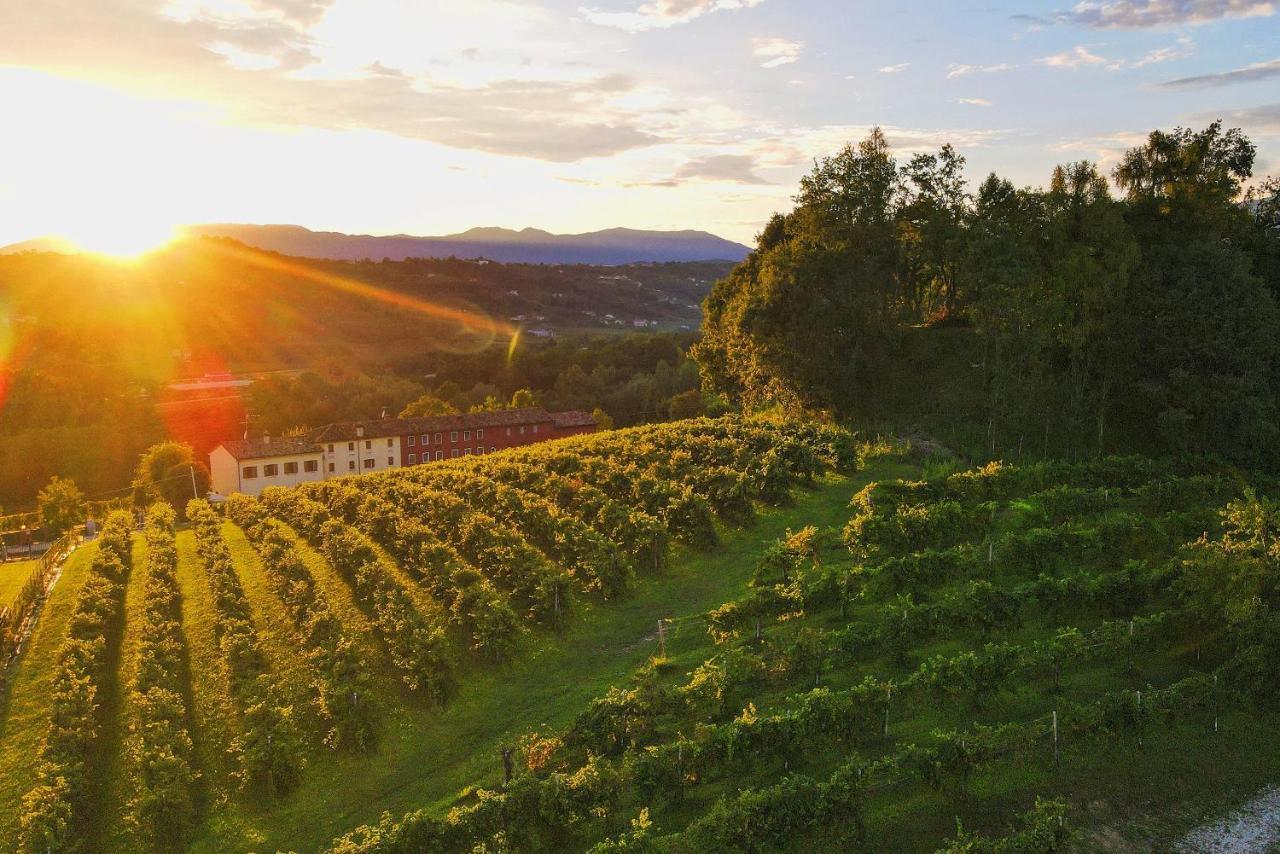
<point x="251" y="465"/>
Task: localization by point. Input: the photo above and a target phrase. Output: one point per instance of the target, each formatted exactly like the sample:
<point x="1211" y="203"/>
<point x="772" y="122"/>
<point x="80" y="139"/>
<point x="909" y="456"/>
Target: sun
<point x="126" y="239"/>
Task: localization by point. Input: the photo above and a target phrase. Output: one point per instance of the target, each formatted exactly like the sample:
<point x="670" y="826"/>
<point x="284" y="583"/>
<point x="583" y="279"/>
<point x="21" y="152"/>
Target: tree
<point x="932" y="228"/>
<point x="428" y="405"/>
<point x="686" y="404"/>
<point x="523" y="399"/>
<point x="604" y="421"/>
<point x="61" y="505"/>
<point x="169" y="472"/>
<point x="805" y="318"/>
<point x="489" y="404"/>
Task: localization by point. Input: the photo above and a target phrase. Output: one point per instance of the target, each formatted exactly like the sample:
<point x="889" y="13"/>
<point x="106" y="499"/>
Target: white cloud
<point x="1184" y="48"/>
<point x="1143" y="14"/>
<point x="660" y="14"/>
<point x="1078" y="57"/>
<point x="894" y="69"/>
<point x="1248" y="74"/>
<point x="974" y="102"/>
<point x="776" y="51"/>
<point x="957" y="70"/>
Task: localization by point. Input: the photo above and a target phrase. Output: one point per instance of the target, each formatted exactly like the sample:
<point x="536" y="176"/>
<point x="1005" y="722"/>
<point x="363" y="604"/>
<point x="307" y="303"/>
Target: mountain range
<point x="530" y="245"/>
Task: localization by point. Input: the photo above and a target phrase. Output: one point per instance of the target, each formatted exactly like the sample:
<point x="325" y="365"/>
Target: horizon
<point x="385" y="118"/>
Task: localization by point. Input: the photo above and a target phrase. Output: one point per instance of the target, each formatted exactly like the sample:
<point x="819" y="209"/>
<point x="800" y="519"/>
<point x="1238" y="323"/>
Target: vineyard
<point x="274" y="671"/>
<point x="709" y="635"/>
<point x="993" y="644"/>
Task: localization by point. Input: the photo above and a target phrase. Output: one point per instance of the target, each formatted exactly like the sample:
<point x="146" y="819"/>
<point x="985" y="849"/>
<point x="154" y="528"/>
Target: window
<point x="468" y="452"/>
<point x="270" y="470"/>
<point x="330" y="466"/>
<point x="413" y="458"/>
<point x="453" y="436"/>
<point x="535" y="428"/>
<point x="439" y="455"/>
<point x="331" y="447"/>
<point x="360" y="432"/>
<point x="290" y="468"/>
<point x="368" y="444"/>
<point x="522" y="430"/>
<point x="368" y="463"/>
<point x="466" y="435"/>
<point x="480" y="450"/>
<point x="437" y="438"/>
<point x="454" y="452"/>
<point x="412" y="439"/>
<point x="311" y="465"/>
<point x="425" y="437"/>
<point x="508" y="431"/>
<point x="390" y="443"/>
<point x="493" y="450"/>
<point x="479" y="434"/>
<point x="351" y="465"/>
<point x="391" y="461"/>
<point x="351" y="446"/>
<point x="250" y="472"/>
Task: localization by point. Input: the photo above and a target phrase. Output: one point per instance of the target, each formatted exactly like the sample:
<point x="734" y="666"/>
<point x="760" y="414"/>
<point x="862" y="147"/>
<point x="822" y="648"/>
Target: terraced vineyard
<point x="1020" y="648"/>
<point x="276" y="676"/>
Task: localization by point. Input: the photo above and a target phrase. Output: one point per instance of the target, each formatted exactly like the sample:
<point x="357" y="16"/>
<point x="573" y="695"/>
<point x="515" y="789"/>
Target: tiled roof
<point x="253" y="449"/>
<point x="433" y="424"/>
<point x="573" y="418"/>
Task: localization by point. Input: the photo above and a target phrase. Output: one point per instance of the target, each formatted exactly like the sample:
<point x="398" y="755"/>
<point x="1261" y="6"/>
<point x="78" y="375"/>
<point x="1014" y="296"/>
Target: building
<point x="249" y="466"/>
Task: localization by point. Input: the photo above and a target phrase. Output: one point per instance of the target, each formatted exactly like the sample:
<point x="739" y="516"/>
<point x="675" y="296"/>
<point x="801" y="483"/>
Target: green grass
<point x="426" y="756"/>
<point x="24" y="707"/>
<point x="13" y="576"/>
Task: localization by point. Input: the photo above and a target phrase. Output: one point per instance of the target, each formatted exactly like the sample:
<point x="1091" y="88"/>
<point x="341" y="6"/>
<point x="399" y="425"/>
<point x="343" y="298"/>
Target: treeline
<point x="634" y="379"/>
<point x="1143" y="317"/>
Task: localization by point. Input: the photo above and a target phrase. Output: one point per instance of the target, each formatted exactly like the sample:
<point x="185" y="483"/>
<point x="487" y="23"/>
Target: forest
<point x="1135" y="309"/>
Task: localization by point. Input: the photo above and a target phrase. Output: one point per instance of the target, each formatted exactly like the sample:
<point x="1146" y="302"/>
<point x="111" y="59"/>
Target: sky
<point x="125" y="118"/>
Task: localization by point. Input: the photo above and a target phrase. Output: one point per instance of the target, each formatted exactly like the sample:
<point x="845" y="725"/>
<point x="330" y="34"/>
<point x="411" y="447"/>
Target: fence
<point x="18" y="616"/>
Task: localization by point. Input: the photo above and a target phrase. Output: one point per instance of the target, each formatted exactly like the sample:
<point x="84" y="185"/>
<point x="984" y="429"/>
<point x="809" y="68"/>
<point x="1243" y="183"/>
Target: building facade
<point x="249" y="466"/>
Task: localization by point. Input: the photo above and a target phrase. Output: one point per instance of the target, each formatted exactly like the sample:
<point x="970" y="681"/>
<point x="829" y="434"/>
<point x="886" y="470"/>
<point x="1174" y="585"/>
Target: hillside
<point x="95" y="342"/>
<point x="707" y="635"/>
<point x="611" y="246"/>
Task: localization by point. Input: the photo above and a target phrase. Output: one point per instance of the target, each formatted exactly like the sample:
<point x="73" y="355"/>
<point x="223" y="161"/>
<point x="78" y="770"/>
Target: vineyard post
<point x="1215" y="702"/>
<point x="1139" y="720"/>
<point x="662" y="639"/>
<point x="1057" y="757"/>
<point x="888" y="697"/>
<point x="507" y="768"/>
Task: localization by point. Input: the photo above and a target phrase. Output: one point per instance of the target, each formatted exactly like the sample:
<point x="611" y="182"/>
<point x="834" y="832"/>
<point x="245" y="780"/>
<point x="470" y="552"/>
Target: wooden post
<point x="507" y="766"/>
<point x="888" y="696"/>
<point x="1139" y="719"/>
<point x="1215" y="702"/>
<point x="662" y="639"/>
<point x="1057" y="757"/>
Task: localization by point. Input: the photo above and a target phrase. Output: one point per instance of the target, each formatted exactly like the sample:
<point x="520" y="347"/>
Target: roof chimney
<point x="360" y="431"/>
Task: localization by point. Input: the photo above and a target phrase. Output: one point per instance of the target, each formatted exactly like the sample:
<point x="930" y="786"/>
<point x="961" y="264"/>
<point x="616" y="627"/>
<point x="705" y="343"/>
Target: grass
<point x="425" y="757"/>
<point x="24" y="708"/>
<point x="13" y="576"/>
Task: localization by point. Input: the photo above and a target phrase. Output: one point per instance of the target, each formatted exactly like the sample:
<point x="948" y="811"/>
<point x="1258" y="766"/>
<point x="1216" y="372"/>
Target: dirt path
<point x="1254" y="827"/>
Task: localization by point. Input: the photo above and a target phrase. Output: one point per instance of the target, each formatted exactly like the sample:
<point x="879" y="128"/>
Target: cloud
<point x="715" y="168"/>
<point x="1146" y="14"/>
<point x="894" y="69"/>
<point x="1184" y="48"/>
<point x="1248" y="74"/>
<point x="974" y="102"/>
<point x="956" y="70"/>
<point x="1263" y="120"/>
<point x="776" y="51"/>
<point x="661" y="14"/>
<point x="259" y="68"/>
<point x="1078" y="57"/>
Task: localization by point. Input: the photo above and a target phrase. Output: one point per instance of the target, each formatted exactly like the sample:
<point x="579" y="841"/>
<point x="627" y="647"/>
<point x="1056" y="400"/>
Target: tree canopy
<point x="1154" y="308"/>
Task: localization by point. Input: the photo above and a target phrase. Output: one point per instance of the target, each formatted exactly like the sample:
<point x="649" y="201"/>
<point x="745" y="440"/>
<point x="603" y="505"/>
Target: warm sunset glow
<point x="124" y="240"/>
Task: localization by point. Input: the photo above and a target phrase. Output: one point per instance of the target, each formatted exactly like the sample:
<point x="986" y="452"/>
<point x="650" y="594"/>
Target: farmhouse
<point x="251" y="465"/>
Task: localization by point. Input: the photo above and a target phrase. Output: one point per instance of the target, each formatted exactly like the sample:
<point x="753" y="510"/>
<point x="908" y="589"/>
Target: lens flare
<point x="475" y="323"/>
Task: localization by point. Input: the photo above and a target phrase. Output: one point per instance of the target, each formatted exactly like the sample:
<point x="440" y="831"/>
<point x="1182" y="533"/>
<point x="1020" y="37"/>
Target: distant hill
<point x="612" y="246"/>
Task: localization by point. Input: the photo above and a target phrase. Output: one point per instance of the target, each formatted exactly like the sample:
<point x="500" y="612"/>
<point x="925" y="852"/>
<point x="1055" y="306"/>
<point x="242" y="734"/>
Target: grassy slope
<point x="426" y="758"/>
<point x="24" y="710"/>
<point x="12" y="577"/>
